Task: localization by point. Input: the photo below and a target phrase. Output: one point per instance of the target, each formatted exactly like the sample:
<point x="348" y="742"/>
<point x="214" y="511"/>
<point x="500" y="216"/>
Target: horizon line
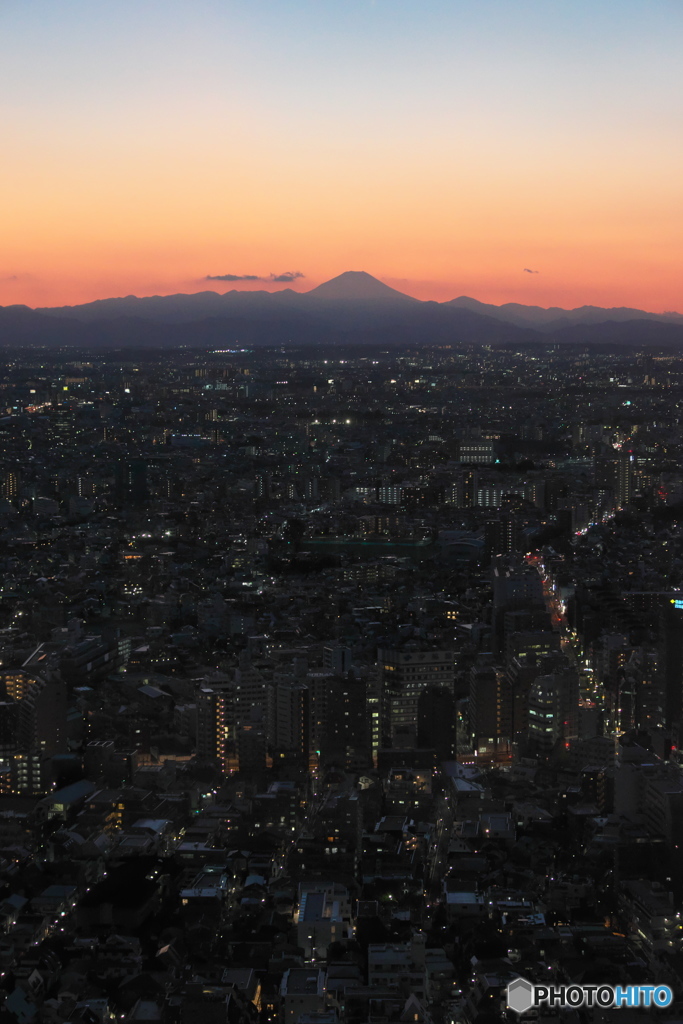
<point x="280" y="291"/>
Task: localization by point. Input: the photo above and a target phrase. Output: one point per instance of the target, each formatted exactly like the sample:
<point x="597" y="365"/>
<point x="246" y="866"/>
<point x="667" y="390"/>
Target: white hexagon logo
<point x="520" y="995"/>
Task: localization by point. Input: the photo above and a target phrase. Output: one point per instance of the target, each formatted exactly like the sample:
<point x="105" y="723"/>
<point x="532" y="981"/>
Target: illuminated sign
<point x="677" y="602"/>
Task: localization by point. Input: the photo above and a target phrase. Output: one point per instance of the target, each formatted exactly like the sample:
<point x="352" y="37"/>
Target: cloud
<point x="287" y="277"/>
<point x="234" y="277"/>
<point x="527" y="271"/>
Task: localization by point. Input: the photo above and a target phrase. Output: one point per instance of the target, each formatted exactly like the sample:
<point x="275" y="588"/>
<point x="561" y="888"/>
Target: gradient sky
<point x="441" y="145"/>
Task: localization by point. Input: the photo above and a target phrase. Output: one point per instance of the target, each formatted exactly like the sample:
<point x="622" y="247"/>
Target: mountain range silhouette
<point x="353" y="308"/>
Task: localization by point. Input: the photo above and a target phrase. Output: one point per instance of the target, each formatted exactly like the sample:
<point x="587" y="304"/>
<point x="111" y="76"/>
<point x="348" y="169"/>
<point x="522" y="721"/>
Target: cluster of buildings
<point x="337" y="690"/>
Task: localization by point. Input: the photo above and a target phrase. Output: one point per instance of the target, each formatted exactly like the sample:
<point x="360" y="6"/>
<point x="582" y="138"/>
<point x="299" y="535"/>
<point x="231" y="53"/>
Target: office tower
<point x="404" y="674"/>
<point x="516" y="586"/>
<point x="553" y="707"/>
<point x="543" y="714"/>
<point x="523" y="641"/>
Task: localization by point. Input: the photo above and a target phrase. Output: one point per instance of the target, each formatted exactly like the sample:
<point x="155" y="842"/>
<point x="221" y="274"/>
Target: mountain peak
<point x="358" y="286"/>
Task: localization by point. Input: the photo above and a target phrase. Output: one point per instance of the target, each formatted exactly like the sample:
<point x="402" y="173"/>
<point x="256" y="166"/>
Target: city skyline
<point x="526" y="155"/>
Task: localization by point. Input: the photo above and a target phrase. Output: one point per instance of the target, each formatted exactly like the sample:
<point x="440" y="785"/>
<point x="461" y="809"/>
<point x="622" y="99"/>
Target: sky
<point x="512" y="150"/>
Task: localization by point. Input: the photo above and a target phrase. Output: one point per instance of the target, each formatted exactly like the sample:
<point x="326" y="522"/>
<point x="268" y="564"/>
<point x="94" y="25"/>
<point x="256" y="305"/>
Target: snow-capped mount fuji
<point x="357" y="286"/>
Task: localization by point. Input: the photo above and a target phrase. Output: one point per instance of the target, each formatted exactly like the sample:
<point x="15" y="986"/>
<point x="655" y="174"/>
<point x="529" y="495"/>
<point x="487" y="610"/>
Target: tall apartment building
<point x="490" y="709"/>
<point x="251" y="712"/>
<point x="215" y="725"/>
<point x="33" y="726"/>
<point x="623" y="479"/>
<point x="291" y="724"/>
<point x="347" y="732"/>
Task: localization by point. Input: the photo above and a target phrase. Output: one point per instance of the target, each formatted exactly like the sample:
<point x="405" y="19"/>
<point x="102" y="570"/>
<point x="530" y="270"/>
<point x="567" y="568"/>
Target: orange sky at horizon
<point x="30" y="290"/>
<point x="433" y="232"/>
<point x="641" y="289"/>
<point x="441" y="150"/>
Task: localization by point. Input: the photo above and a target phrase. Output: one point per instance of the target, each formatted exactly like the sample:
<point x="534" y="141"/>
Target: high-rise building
<point x="131" y="481"/>
<point x="251" y="711"/>
<point x="468" y="488"/>
<point x="347" y="727"/>
<point x="501" y="536"/>
<point x="33" y="726"/>
<point x="404" y="674"/>
<point x="10" y="485"/>
<point x="291" y="724"/>
<point x="436" y="725"/>
<point x="516" y="586"/>
<point x="262" y="486"/>
<point x="490" y="709"/>
<point x="251" y="743"/>
<point x="215" y="726"/>
<point x="623" y="479"/>
<point x="319" y="688"/>
<point x="553" y="706"/>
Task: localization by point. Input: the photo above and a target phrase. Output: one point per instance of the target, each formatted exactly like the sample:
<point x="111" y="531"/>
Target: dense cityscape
<point x="340" y="686"/>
